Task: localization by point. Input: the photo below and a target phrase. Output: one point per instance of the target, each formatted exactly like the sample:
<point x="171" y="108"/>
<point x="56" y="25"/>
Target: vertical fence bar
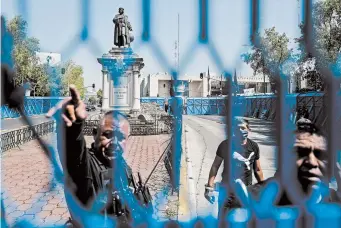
<point x="203" y="21"/>
<point x="177" y="148"/>
<point x="146" y="20"/>
<point x="228" y="165"/>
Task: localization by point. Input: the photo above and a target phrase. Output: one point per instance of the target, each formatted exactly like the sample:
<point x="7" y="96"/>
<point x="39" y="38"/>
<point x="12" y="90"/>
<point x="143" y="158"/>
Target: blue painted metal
<point x="255" y="105"/>
<point x="32" y="106"/>
<point x="322" y="215"/>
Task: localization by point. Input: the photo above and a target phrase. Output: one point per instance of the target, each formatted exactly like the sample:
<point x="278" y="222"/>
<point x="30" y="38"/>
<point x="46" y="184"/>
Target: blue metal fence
<point x="260" y="106"/>
<point x="321" y="215"/>
<point x="32" y="106"/>
<point x="255" y="105"/>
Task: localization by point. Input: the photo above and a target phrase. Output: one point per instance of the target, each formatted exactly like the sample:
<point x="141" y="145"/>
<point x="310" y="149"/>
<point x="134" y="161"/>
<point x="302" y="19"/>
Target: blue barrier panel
<point x="260" y="211"/>
<point x="32" y="106"/>
<point x="158" y="100"/>
<point x="255" y="106"/>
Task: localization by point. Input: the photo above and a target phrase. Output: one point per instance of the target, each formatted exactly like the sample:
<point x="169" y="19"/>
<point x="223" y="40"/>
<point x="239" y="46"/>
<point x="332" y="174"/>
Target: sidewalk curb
<point x="187" y="194"/>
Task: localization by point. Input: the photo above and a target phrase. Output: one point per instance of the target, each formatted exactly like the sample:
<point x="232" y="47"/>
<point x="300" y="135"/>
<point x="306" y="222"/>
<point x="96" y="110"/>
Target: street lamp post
<point x="264" y="83"/>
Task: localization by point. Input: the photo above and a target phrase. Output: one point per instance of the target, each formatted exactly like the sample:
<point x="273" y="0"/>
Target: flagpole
<point x="178" y="42"/>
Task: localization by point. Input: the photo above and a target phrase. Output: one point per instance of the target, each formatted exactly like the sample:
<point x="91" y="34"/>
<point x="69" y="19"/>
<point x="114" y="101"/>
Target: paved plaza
<point x="26" y="173"/>
<point x="26" y="179"/>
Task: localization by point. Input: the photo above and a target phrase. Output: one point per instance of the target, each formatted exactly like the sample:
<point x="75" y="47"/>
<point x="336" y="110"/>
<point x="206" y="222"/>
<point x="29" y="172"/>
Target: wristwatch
<point x="209" y="188"/>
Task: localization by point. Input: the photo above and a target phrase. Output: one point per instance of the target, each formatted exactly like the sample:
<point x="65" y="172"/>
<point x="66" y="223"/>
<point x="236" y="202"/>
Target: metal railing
<point x="32" y="106"/>
<point x="159" y="126"/>
<point x="15" y="138"/>
<point x="321" y="215"/>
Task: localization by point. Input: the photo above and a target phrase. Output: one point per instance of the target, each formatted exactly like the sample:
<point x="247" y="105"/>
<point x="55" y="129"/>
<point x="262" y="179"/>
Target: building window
<point x="164" y="85"/>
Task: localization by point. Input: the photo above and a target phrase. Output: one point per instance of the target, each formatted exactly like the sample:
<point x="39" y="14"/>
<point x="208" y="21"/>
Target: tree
<point x="272" y="53"/>
<point x="73" y="75"/>
<point x="327" y="28"/>
<point x="38" y="80"/>
<point x="100" y="96"/>
<point x="92" y="100"/>
<point x="327" y="42"/>
<point x="26" y="63"/>
<point x="55" y="80"/>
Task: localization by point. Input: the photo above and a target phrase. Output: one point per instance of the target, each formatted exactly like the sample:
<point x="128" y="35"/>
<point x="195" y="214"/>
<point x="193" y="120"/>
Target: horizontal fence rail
<point x="262" y="106"/>
<point x="322" y="109"/>
<point x="15" y="138"/>
<point x="308" y="105"/>
<point x="32" y="106"/>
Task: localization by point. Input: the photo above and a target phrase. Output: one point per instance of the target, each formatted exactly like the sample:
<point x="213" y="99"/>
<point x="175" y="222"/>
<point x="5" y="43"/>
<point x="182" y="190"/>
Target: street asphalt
<point x="203" y="135"/>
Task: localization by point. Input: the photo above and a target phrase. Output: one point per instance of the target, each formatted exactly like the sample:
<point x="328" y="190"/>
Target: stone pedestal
<point x="105" y="90"/>
<point x="121" y="90"/>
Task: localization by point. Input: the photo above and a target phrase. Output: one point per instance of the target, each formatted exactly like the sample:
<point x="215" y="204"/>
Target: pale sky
<point x="56" y="23"/>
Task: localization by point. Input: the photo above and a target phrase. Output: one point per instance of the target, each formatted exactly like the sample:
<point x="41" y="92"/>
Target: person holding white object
<point x="245" y="159"/>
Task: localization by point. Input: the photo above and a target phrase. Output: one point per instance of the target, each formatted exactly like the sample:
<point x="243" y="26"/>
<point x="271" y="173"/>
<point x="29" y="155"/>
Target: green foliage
<point x="272" y="52"/>
<point x="327" y="26"/>
<point x="327" y="42"/>
<point x="26" y="64"/>
<point x="18" y="27"/>
<point x="92" y="100"/>
<point x="100" y="96"/>
<point x="45" y="80"/>
<point x="73" y="75"/>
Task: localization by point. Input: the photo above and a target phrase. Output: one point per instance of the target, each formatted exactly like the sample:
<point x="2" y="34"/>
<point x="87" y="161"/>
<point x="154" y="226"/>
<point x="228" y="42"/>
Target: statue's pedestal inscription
<point x="121" y="90"/>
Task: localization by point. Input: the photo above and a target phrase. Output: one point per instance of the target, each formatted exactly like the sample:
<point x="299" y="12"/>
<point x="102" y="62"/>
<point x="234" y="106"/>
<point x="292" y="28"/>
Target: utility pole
<point x="176" y="54"/>
<point x="178" y="42"/>
<point x="176" y="57"/>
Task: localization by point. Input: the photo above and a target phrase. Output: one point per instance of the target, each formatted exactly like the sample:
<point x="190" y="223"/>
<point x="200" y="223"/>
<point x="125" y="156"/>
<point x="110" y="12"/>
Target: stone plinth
<point x="121" y="70"/>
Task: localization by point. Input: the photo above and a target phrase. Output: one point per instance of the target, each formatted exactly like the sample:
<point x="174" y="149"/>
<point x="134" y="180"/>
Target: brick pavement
<point x="142" y="155"/>
<point x="26" y="177"/>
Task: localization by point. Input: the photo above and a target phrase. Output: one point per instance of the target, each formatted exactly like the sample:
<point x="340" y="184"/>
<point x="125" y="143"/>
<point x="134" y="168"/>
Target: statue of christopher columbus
<point x="122" y="36"/>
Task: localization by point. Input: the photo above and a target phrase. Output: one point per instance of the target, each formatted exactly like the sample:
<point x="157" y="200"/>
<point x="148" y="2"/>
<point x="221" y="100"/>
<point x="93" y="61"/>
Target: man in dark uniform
<point x="89" y="172"/>
<point x="245" y="157"/>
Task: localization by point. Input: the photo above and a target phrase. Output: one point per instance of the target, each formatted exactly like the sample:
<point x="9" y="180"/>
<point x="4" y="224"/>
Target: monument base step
<point x="126" y="111"/>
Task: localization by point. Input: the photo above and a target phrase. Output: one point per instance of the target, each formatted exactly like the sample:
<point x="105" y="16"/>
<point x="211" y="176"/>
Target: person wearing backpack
<point x="96" y="179"/>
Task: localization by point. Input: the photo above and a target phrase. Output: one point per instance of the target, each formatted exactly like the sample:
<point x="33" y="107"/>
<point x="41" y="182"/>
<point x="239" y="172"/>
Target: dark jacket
<point x="84" y="169"/>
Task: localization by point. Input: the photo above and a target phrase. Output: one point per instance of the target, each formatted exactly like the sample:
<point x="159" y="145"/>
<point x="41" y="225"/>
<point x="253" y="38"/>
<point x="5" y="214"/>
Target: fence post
<point x="177" y="105"/>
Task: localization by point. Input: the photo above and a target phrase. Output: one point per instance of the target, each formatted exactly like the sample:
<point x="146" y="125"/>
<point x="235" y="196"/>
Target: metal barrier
<point x="159" y="126"/>
<point x="168" y="161"/>
<point x="309" y="105"/>
<point x="256" y="212"/>
<point x="32" y="106"/>
<point x="199" y="106"/>
<point x="205" y="106"/>
<point x="15" y="138"/>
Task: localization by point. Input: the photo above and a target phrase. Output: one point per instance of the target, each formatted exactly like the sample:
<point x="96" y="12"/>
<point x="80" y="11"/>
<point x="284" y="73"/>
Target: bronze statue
<point x="122" y="36"/>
